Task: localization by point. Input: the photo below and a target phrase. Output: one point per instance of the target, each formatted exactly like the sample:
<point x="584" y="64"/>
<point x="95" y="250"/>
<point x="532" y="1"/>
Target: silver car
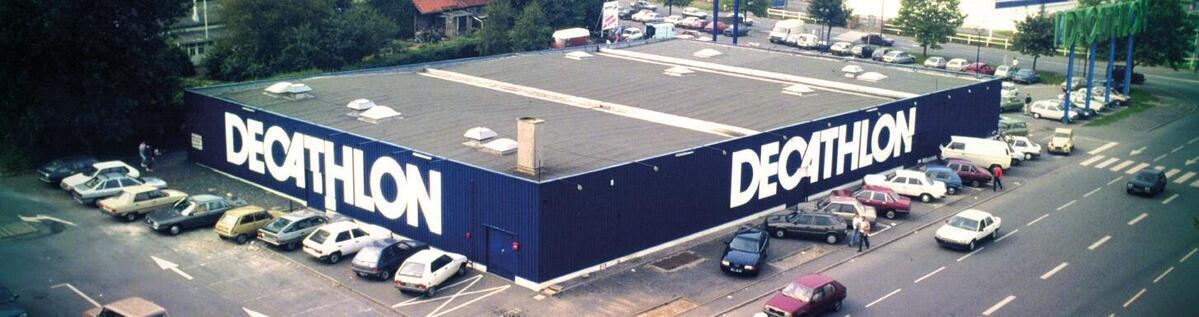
<point x="898" y="57"/>
<point x="289" y="230"/>
<point x="111" y="184"/>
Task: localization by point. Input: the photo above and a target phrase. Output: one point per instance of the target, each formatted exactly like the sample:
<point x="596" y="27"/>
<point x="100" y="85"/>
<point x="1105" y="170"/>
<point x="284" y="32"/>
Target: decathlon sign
<point x="362" y="183"/>
<point x="824" y="154"/>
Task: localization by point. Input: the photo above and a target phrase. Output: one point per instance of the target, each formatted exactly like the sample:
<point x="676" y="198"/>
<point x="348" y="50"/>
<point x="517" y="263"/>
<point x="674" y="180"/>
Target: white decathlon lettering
<point x="235" y="156"/>
<point x="767" y="165"/>
<point x="253" y="144"/>
<point x="737" y="195"/>
<point x="334" y="173"/>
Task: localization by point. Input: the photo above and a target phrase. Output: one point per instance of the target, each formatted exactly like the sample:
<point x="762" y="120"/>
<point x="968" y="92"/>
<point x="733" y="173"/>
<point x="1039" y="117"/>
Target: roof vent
<point x="707" y="53"/>
<point x="678" y="71"/>
<point x="501" y="146"/>
<point x="798" y="90"/>
<point x="360" y="104"/>
<point x="479" y="134"/>
<point x="294" y="91"/>
<point x="872" y="77"/>
<point x="377" y="114"/>
<point x="578" y="55"/>
<point x="852" y="71"/>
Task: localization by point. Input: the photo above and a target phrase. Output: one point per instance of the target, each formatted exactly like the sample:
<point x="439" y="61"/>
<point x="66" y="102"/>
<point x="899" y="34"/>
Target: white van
<point x="984" y="152"/>
<point x="785" y="29"/>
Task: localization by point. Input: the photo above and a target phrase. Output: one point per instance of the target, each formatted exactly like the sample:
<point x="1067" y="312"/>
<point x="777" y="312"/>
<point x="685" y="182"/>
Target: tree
<point x="81" y="76"/>
<point x="830" y="13"/>
<point x="1164" y="40"/>
<point x="1034" y="36"/>
<point x="930" y="21"/>
<point x="401" y="12"/>
<point x="494" y="33"/>
<point x="670" y="4"/>
<point x="531" y="31"/>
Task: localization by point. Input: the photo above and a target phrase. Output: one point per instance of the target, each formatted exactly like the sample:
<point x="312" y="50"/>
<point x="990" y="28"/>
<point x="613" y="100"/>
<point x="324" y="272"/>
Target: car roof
<point x="973" y="214"/>
<point x="139" y="189"/>
<point x="813" y="280"/>
<point x="876" y="188"/>
<point x="842" y="199"/>
<point x="908" y="173"/>
<point x="340" y="226"/>
<point x="203" y="198"/>
<point x="109" y="176"/>
<point x="242" y="211"/>
<point x="426" y="256"/>
<point x="1150" y="171"/>
<point x="107" y="164"/>
<point x="303" y="214"/>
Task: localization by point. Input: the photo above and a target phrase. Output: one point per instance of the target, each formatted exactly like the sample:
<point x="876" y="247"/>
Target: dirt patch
<point x="673" y="308"/>
<point x="677" y="261"/>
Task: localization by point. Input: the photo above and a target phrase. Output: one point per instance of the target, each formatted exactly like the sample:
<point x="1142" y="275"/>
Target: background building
<point x="996" y="15"/>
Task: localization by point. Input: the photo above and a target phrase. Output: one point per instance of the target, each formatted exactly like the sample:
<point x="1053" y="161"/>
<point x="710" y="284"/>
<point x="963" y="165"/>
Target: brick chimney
<point x="527" y="156"/>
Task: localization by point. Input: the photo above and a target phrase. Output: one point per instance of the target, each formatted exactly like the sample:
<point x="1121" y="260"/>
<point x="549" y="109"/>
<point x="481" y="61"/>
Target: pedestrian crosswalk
<point x="1115" y="164"/>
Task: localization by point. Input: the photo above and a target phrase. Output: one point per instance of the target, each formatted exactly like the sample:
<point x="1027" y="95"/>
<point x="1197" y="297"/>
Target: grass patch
<point x="1140" y="102"/>
<point x="1051" y="78"/>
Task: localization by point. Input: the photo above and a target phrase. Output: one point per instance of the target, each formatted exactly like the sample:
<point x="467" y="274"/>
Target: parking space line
<point x="1177" y="148"/>
<point x="1107" y="162"/>
<point x="1188" y="256"/>
<point x="1195" y="183"/>
<point x="1006" y="235"/>
<point x="1159" y="157"/>
<point x="928" y="275"/>
<point x="1136" y="169"/>
<point x="1159" y="167"/>
<point x="1168" y="200"/>
<point x="884" y="297"/>
<point x="76" y="290"/>
<point x="1102" y="148"/>
<point x="1193" y="140"/>
<point x="1099" y="243"/>
<point x="1091" y="160"/>
<point x="1134" y="298"/>
<point x="1183" y="179"/>
<point x="1113" y="181"/>
<point x="1038" y="219"/>
<point x="411" y="300"/>
<point x="1092" y="192"/>
<point x="1138" y="219"/>
<point x="497" y="291"/>
<point x="999" y="305"/>
<point x="1122" y="165"/>
<point x="1172" y="172"/>
<point x="1067" y="205"/>
<point x="1056" y="269"/>
<point x="885" y="228"/>
<point x="1163" y="275"/>
<point x="971" y="253"/>
<point x="455" y="296"/>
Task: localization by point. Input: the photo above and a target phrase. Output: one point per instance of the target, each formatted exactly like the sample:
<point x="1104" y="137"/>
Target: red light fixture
<point x="515" y="246"/>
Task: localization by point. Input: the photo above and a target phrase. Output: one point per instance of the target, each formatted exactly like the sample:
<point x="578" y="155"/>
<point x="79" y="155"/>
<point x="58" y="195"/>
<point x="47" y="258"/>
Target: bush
<point x="399" y="53"/>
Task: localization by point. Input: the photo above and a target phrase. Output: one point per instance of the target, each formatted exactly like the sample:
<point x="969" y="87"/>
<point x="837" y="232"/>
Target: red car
<point x="720" y="26"/>
<point x="698" y="24"/>
<point x="882" y="199"/>
<point x="970" y="173"/>
<point x="807" y="295"/>
<point x="979" y="68"/>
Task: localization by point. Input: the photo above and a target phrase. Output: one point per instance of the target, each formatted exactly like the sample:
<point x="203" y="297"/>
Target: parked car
<point x="877" y="39"/>
<point x="720" y="27"/>
<point x="909" y="183"/>
<point x="138" y="201"/>
<point x="129" y="307"/>
<point x="841" y="48"/>
<point x="899" y="57"/>
<point x="878" y="53"/>
<point x="333" y="241"/>
<point x="646" y="16"/>
<point x="742" y="30"/>
<point x="627" y="13"/>
<point x="1009" y="126"/>
<point x="784" y="29"/>
<point x="694" y="12"/>
<point x="1062" y="141"/>
<point x="884" y="200"/>
<point x="1010" y="102"/>
<point x="97" y="169"/>
<point x="241" y="224"/>
<point x="696" y="23"/>
<point x="808" y="295"/>
<point x="8" y="304"/>
<point x="1026" y="76"/>
<point x="1017" y="157"/>
<point x="1025" y="146"/>
<point x="744" y="19"/>
<point x="846" y="208"/>
<point x="674" y="19"/>
<point x="979" y="68"/>
<point x="805" y="41"/>
<point x="1078" y="99"/>
<point x="935" y="62"/>
<point x="1005" y="72"/>
<point x="54" y="171"/>
<point x="983" y="152"/>
<point x="956" y="64"/>
<point x="745" y="252"/>
<point x="383" y="257"/>
<point x="1115" y="97"/>
<point x="196" y="211"/>
<point x="631" y="33"/>
<point x="943" y="174"/>
<point x="967" y="228"/>
<point x="862" y="51"/>
<point x="825" y="226"/>
<point x="969" y="173"/>
<point x="427" y="269"/>
<point x="108" y="185"/>
<point x="644" y="5"/>
<point x="1051" y="109"/>
<point x="289" y="230"/>
<point x="1118" y="75"/>
<point x="1147" y="181"/>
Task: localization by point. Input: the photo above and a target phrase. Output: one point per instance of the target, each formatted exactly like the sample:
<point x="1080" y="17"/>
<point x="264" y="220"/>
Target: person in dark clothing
<point x="996" y="178"/>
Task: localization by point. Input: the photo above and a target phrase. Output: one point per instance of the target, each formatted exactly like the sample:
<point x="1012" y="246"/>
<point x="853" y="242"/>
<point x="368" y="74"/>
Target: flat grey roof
<point x="577" y="139"/>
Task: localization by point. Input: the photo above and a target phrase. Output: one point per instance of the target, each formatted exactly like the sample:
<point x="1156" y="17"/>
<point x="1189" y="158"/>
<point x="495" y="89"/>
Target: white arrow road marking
<point x="76" y="290"/>
<point x="1102" y="148"/>
<point x="1137" y="151"/>
<point x="39" y="218"/>
<point x="253" y="313"/>
<point x="1192" y="161"/>
<point x="168" y="265"/>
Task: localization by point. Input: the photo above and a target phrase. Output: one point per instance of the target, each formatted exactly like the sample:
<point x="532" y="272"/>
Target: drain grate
<point x="676" y="261"/>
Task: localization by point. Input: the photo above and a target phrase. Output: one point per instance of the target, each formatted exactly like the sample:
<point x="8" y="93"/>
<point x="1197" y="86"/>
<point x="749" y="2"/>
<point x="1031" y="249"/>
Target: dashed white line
<point x="1188" y="256"/>
<point x="999" y="305"/>
<point x="1159" y="167"/>
<point x="1107" y="162"/>
<point x="1134" y="298"/>
<point x="1183" y="179"/>
<point x="884" y="297"/>
<point x="1091" y="160"/>
<point x="928" y="275"/>
<point x="1067" y="205"/>
<point x="1099" y="243"/>
<point x="1177" y="148"/>
<point x="1159" y="157"/>
<point x="1122" y="165"/>
<point x="1195" y="183"/>
<point x="1172" y="172"/>
<point x="1102" y="148"/>
<point x="1160" y="277"/>
<point x="1193" y="140"/>
<point x="1137" y="168"/>
<point x="1038" y="219"/>
<point x="1168" y="200"/>
<point x="1138" y="219"/>
<point x="1092" y="192"/>
<point x="1056" y="269"/>
<point x="1006" y="235"/>
<point x="1117" y="179"/>
<point x="971" y="253"/>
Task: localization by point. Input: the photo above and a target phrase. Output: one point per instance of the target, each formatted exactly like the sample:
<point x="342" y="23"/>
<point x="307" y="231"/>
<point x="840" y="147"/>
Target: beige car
<point x="242" y="224"/>
<point x="129" y="307"/>
<point x="1062" y="141"/>
<point x="139" y="200"/>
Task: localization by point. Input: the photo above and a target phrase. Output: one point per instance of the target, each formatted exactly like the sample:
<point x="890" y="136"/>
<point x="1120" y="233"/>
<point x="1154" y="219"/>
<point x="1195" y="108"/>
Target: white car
<point x="1025" y="146"/>
<point x="967" y="228"/>
<point x="674" y="19"/>
<point x="909" y="183"/>
<point x="334" y="241"/>
<point x="935" y="62"/>
<point x="1005" y="71"/>
<point x="1049" y="109"/>
<point x="956" y="64"/>
<point x="97" y="169"/>
<point x="630" y="34"/>
<point x="646" y="16"/>
<point x="695" y="12"/>
<point x="1078" y="98"/>
<point x="425" y="270"/>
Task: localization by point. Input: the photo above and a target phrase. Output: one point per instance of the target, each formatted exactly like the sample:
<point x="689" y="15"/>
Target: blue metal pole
<point x="1128" y="59"/>
<point x="1111" y="58"/>
<point x="736" y="18"/>
<point x="715" y="18"/>
<point x="1069" y="77"/>
<point x="1090" y="76"/>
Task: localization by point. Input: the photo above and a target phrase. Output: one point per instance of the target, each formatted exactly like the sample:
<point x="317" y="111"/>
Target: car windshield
<point x="125" y="197"/>
<point x="319" y="236"/>
<point x="228" y="220"/>
<point x="184" y="207"/>
<point x="1020" y="124"/>
<point x="369" y="254"/>
<point x="1061" y="135"/>
<point x="92" y="183"/>
<point x="964" y="223"/>
<point x="276" y="225"/>
<point x="1147" y="177"/>
<point x="743" y="244"/>
<point x="412" y="269"/>
<point x="797" y="291"/>
<point x="91" y="170"/>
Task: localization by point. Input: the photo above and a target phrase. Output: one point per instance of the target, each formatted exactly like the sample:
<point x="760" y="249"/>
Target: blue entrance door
<point x="501" y="259"/>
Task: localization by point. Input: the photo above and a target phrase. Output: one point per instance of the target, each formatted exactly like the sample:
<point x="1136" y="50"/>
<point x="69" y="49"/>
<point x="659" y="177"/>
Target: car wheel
<point x="241" y="239"/>
<point x="385" y="275"/>
<point x="780" y="234"/>
<point x="461" y="270"/>
<point x="431" y="292"/>
<point x="831" y="238"/>
<point x="975" y="183"/>
<point x="291" y="246"/>
<point x="175" y="230"/>
<point x="1027" y="156"/>
<point x="335" y="257"/>
<point x="926" y="198"/>
<point x="1036" y="115"/>
<point x="953" y="190"/>
<point x="971" y="246"/>
<point x="890" y="214"/>
<point x="837" y="306"/>
<point x="130" y="217"/>
<point x="995" y="234"/>
<point x="359" y="274"/>
<point x="1128" y="190"/>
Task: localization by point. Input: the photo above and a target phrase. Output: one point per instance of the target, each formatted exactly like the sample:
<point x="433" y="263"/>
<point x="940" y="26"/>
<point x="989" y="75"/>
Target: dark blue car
<point x="953" y="183"/>
<point x="1147" y="181"/>
<point x="1026" y="76"/>
<point x="746" y="252"/>
<point x="54" y="171"/>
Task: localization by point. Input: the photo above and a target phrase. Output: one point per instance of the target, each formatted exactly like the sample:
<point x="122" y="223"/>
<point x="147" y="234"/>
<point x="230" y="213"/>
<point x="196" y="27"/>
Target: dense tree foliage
<point x="1168" y="39"/>
<point x="531" y="31"/>
<point x="931" y="22"/>
<point x="829" y="13"/>
<point x="1034" y="36"/>
<point x="402" y="12"/>
<point x="494" y="32"/>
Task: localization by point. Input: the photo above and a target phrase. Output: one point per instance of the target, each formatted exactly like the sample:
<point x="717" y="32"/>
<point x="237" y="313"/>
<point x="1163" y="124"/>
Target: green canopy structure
<point x="1087" y="26"/>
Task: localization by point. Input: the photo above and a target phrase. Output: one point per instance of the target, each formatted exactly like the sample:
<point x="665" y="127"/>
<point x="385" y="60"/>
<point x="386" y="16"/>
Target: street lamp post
<point x="977" y="53"/>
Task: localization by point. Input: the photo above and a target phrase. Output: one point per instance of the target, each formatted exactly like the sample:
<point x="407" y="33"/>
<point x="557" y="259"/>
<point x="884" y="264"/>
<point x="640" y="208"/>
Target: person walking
<point x="1027" y="103"/>
<point x="996" y="178"/>
<point x="853" y="231"/>
<point x="143" y="150"/>
<point x="864" y="234"/>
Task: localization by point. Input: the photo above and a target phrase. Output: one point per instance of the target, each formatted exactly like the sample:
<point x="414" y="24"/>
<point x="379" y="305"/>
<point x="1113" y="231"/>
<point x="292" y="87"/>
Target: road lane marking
<point x="1092" y="192"/>
<point x="971" y="253"/>
<point x="1107" y="162"/>
<point x="927" y="275"/>
<point x="1195" y="183"/>
<point x="1138" y="219"/>
<point x="1193" y="140"/>
<point x="1067" y="204"/>
<point x="1102" y="148"/>
<point x="999" y="305"/>
<point x="1159" y="157"/>
<point x="1137" y="168"/>
<point x="1091" y="160"/>
<point x="1134" y="298"/>
<point x="1159" y="167"/>
<point x="76" y="290"/>
<point x="1183" y="179"/>
<point x="252" y="313"/>
<point x="1177" y="148"/>
<point x="1113" y="181"/>
<point x="1188" y="256"/>
<point x="1006" y="235"/>
<point x="1172" y="172"/>
<point x="1168" y="200"/>
<point x="1038" y="219"/>
<point x="1122" y="165"/>
<point x="1160" y="277"/>
<point x="1056" y="269"/>
<point x="494" y="290"/>
<point x="884" y="297"/>
<point x="168" y="265"/>
<point x="1099" y="243"/>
